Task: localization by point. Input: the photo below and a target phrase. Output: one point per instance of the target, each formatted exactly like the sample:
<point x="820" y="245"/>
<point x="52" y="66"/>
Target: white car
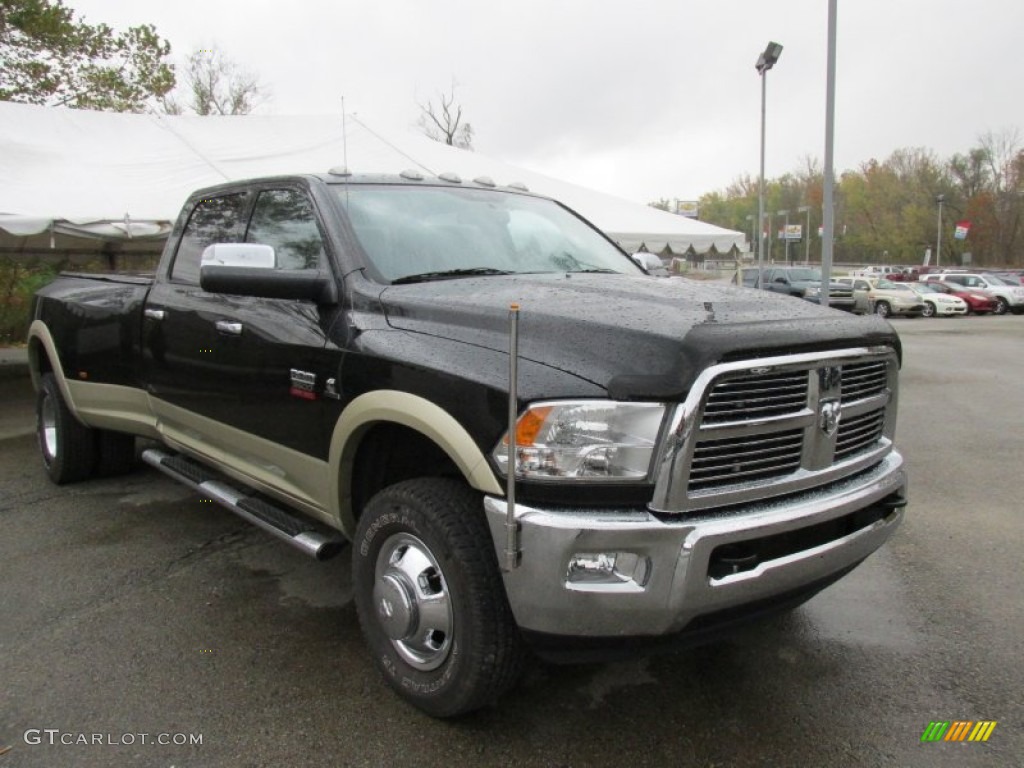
<point x="937" y="303"/>
<point x="875" y="271"/>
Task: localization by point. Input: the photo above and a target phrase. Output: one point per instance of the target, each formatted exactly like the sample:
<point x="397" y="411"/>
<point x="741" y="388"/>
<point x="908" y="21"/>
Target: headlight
<point x="812" y="291"/>
<point x="584" y="440"/>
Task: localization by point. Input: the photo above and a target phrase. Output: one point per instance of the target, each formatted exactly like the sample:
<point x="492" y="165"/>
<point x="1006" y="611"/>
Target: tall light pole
<point x="828" y="211"/>
<point x="764" y="62"/>
<point x="940" y="199"/>
<point x="807" y="233"/>
<point x="785" y="234"/>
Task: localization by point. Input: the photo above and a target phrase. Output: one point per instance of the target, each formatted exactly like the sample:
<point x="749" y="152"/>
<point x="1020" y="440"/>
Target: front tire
<point x="1002" y="305"/>
<point x="882" y="309"/>
<point x="929" y="310"/>
<point x="67" y="445"/>
<point x="430" y="597"/>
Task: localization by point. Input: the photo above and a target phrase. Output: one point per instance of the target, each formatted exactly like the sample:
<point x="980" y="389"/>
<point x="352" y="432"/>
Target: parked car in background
<point x="978" y="303"/>
<point x="936" y="302"/>
<point x="885" y="297"/>
<point x="875" y="270"/>
<point x="804" y="283"/>
<point x="1009" y="295"/>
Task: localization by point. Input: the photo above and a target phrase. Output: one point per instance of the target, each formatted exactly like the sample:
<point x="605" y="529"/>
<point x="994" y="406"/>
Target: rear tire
<point x="929" y="310"/>
<point x="430" y="597"/>
<point x="1002" y="305"/>
<point x="882" y="309"/>
<point x="67" y="445"/>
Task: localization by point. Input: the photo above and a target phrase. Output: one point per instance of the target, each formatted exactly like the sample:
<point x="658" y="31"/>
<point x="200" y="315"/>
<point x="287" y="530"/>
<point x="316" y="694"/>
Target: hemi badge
<point x="303" y="384"/>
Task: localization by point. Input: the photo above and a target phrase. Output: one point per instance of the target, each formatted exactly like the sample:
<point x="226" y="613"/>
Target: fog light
<point x="607" y="572"/>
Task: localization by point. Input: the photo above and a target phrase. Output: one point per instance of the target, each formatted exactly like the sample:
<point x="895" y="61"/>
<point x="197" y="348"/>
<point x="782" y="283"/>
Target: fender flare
<point x="416" y="413"/>
<point x="39" y="333"/>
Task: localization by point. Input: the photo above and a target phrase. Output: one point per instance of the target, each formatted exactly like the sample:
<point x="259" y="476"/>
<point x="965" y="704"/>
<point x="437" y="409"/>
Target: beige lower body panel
<point x="295" y="478"/>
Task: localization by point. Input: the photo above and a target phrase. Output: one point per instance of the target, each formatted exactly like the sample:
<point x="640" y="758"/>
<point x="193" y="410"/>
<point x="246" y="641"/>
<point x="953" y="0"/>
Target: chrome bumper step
<point x="302" y="534"/>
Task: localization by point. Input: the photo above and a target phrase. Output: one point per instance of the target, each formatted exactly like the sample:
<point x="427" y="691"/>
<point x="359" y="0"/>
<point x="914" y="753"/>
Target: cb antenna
<point x="344" y="144"/>
<point x="344" y="135"/>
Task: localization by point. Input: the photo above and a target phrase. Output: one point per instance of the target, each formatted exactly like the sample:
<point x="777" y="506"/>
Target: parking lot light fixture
<point x="940" y="199"/>
<point x="765" y="61"/>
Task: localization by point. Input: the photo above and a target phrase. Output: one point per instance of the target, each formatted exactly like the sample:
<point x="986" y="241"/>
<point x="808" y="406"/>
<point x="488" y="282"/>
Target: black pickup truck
<point x="343" y="358"/>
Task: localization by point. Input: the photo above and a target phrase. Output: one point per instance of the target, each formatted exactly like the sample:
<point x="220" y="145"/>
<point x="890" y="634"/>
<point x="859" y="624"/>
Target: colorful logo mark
<point x="958" y="730"/>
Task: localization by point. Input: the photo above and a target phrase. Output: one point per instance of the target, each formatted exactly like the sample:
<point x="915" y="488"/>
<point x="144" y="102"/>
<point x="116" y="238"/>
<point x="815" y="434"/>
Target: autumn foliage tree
<point x="886" y="210"/>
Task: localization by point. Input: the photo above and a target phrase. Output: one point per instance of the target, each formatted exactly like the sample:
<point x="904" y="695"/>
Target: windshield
<point x="997" y="280"/>
<point x="804" y="274"/>
<point x="437" y="233"/>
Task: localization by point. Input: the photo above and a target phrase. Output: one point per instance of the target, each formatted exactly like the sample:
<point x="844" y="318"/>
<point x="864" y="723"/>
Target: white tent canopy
<point x="111" y="175"/>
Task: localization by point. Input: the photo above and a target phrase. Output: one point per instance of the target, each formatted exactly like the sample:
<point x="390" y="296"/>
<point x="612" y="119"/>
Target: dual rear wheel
<point x="72" y="451"/>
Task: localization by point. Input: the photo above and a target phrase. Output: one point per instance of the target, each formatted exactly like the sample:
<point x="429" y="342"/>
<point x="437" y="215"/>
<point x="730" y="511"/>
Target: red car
<point x="977" y="302"/>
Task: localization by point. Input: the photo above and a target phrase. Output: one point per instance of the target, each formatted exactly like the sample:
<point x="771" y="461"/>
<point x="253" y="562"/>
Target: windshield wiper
<point x="595" y="269"/>
<point x="445" y="274"/>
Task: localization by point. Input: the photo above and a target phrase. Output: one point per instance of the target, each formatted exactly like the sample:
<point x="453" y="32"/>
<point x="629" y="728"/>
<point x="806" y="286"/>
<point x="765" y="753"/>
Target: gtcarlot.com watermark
<point x="56" y="737"/>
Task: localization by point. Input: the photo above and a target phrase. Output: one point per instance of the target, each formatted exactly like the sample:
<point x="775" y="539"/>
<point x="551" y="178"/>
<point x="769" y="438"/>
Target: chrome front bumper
<point x="672" y="584"/>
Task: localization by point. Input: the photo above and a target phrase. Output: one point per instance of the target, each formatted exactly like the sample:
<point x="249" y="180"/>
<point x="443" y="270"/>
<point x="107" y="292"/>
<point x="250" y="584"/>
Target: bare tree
<point x="1005" y="160"/>
<point x="215" y="85"/>
<point x="443" y="121"/>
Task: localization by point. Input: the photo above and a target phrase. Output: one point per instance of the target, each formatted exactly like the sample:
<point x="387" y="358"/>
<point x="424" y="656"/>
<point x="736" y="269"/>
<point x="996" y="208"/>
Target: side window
<point x="861" y="285"/>
<point x="216" y="220"/>
<point x="284" y="219"/>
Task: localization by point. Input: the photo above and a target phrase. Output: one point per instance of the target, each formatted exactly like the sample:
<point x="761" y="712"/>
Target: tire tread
<point x="498" y="656"/>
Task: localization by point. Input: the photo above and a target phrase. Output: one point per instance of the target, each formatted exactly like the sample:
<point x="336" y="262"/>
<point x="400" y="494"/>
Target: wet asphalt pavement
<point x="132" y="607"/>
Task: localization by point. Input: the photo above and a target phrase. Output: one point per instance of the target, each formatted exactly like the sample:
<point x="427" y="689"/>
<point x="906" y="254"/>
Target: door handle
<point x="154" y="314"/>
<point x="230" y="328"/>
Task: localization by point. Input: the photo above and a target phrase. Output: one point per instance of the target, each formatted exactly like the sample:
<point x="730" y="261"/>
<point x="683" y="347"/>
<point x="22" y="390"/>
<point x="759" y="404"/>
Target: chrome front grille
<point x="743" y="459"/>
<point x="859" y="433"/>
<point x="862" y="380"/>
<point x="760" y="428"/>
<point x="759" y="396"/>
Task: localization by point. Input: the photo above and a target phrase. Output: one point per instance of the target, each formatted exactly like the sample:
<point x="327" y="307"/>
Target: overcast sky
<point x="645" y="99"/>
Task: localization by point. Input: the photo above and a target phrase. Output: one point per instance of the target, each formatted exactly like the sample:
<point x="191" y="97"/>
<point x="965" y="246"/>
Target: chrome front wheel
<point x="413" y="605"/>
<point x="430" y="597"/>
